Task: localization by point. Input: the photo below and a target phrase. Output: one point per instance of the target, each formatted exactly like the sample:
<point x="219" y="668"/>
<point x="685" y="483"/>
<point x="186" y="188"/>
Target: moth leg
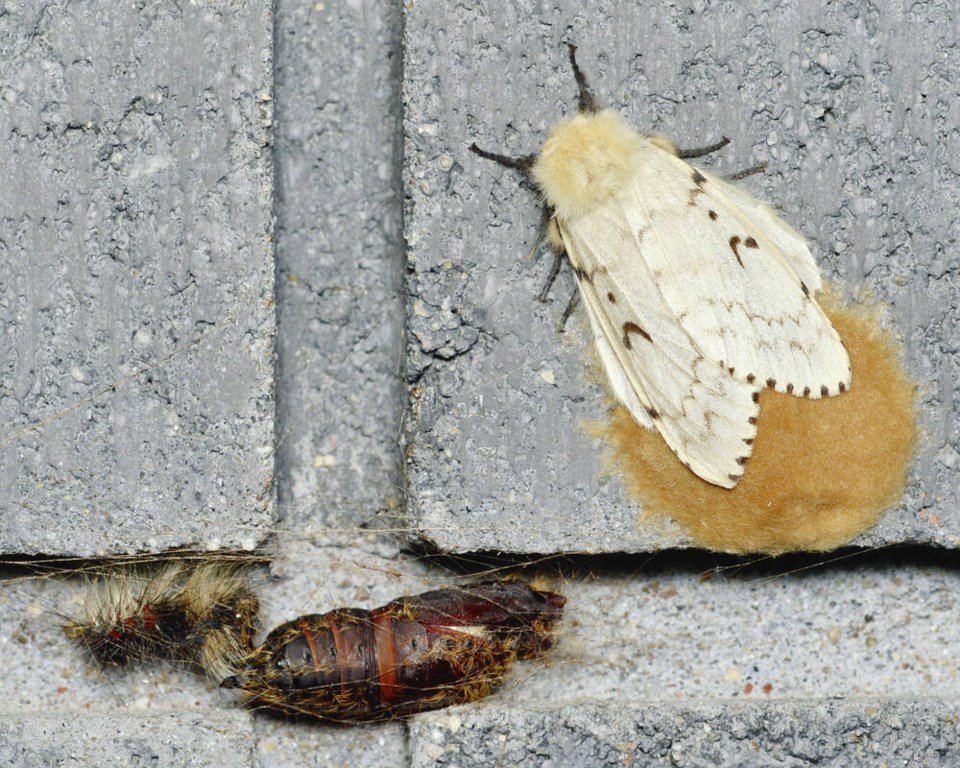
<point x="571" y="306"/>
<point x="559" y="254"/>
<point x="554" y="271"/>
<point x="548" y="226"/>
<point x="541" y="232"/>
<point x="686" y="154"/>
<point x="552" y="236"/>
<point x="762" y="168"/>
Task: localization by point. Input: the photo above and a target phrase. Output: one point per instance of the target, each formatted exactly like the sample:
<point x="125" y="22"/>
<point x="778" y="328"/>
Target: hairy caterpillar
<point x="448" y="646"/>
<point x="698" y="295"/>
<point x="204" y="615"/>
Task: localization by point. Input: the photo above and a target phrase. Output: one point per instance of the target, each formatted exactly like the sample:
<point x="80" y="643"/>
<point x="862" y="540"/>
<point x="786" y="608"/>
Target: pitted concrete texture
<point x="182" y="740"/>
<point x="136" y="388"/>
<point x="855" y="130"/>
<point x="687" y="735"/>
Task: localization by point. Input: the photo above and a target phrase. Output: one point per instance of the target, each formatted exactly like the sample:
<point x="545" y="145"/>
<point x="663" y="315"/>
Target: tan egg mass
<point x="822" y="471"/>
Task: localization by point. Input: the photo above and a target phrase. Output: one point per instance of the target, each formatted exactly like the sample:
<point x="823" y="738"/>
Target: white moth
<point x="698" y="294"/>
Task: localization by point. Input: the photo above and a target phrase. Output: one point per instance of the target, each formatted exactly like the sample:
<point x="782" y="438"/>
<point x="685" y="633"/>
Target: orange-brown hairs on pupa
<point x="449" y="646"/>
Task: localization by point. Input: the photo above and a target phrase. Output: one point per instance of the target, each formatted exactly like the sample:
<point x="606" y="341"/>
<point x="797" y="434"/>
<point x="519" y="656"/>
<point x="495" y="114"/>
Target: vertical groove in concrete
<point x="339" y="262"/>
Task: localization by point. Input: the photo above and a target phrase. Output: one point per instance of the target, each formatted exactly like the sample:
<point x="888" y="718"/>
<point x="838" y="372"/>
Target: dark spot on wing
<point x="712" y="215"/>
<point x="789" y="389"/>
<point x="629" y="328"/>
<point x="699" y="180"/>
<point x="654" y="413"/>
<point x="692" y="200"/>
<point x="751" y="420"/>
<point x="734" y="242"/>
<point x="755" y="397"/>
<point x="824" y="391"/>
<point x="842" y="387"/>
<point x="751" y="378"/>
<point x="611" y="298"/>
<point x="803" y="287"/>
<point x="741" y="460"/>
<point x="750" y="243"/>
<point x="772" y="383"/>
<point x="806" y="391"/>
<point x="734" y="478"/>
<point x="748" y="440"/>
<point x="583" y="275"/>
<point x="731" y="370"/>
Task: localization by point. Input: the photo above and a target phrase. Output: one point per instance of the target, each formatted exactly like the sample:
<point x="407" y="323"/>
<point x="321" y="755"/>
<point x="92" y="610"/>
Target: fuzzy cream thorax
<point x="585" y="161"/>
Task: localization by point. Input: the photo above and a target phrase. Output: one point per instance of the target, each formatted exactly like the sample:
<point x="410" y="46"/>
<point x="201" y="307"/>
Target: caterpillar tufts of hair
<point x="203" y="615"/>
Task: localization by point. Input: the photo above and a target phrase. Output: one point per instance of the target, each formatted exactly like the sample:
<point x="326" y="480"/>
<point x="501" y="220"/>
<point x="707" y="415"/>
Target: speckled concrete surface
<point x="657" y="651"/>
<point x="850" y="732"/>
<point x="80" y="740"/>
<point x="137" y="277"/>
<point x="339" y="264"/>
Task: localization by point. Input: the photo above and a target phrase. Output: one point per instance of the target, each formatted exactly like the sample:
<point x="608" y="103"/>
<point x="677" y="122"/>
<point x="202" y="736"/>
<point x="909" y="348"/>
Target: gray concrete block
<point x="694" y="735"/>
<point x="680" y="626"/>
<point x="136" y="390"/>
<point x="190" y="740"/>
<point x="304" y="745"/>
<point x="855" y="132"/>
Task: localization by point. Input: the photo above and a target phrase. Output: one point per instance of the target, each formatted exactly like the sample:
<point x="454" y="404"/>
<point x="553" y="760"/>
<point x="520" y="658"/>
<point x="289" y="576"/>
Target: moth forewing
<point x="730" y="285"/>
<point x="709" y="425"/>
<point x="790" y="244"/>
